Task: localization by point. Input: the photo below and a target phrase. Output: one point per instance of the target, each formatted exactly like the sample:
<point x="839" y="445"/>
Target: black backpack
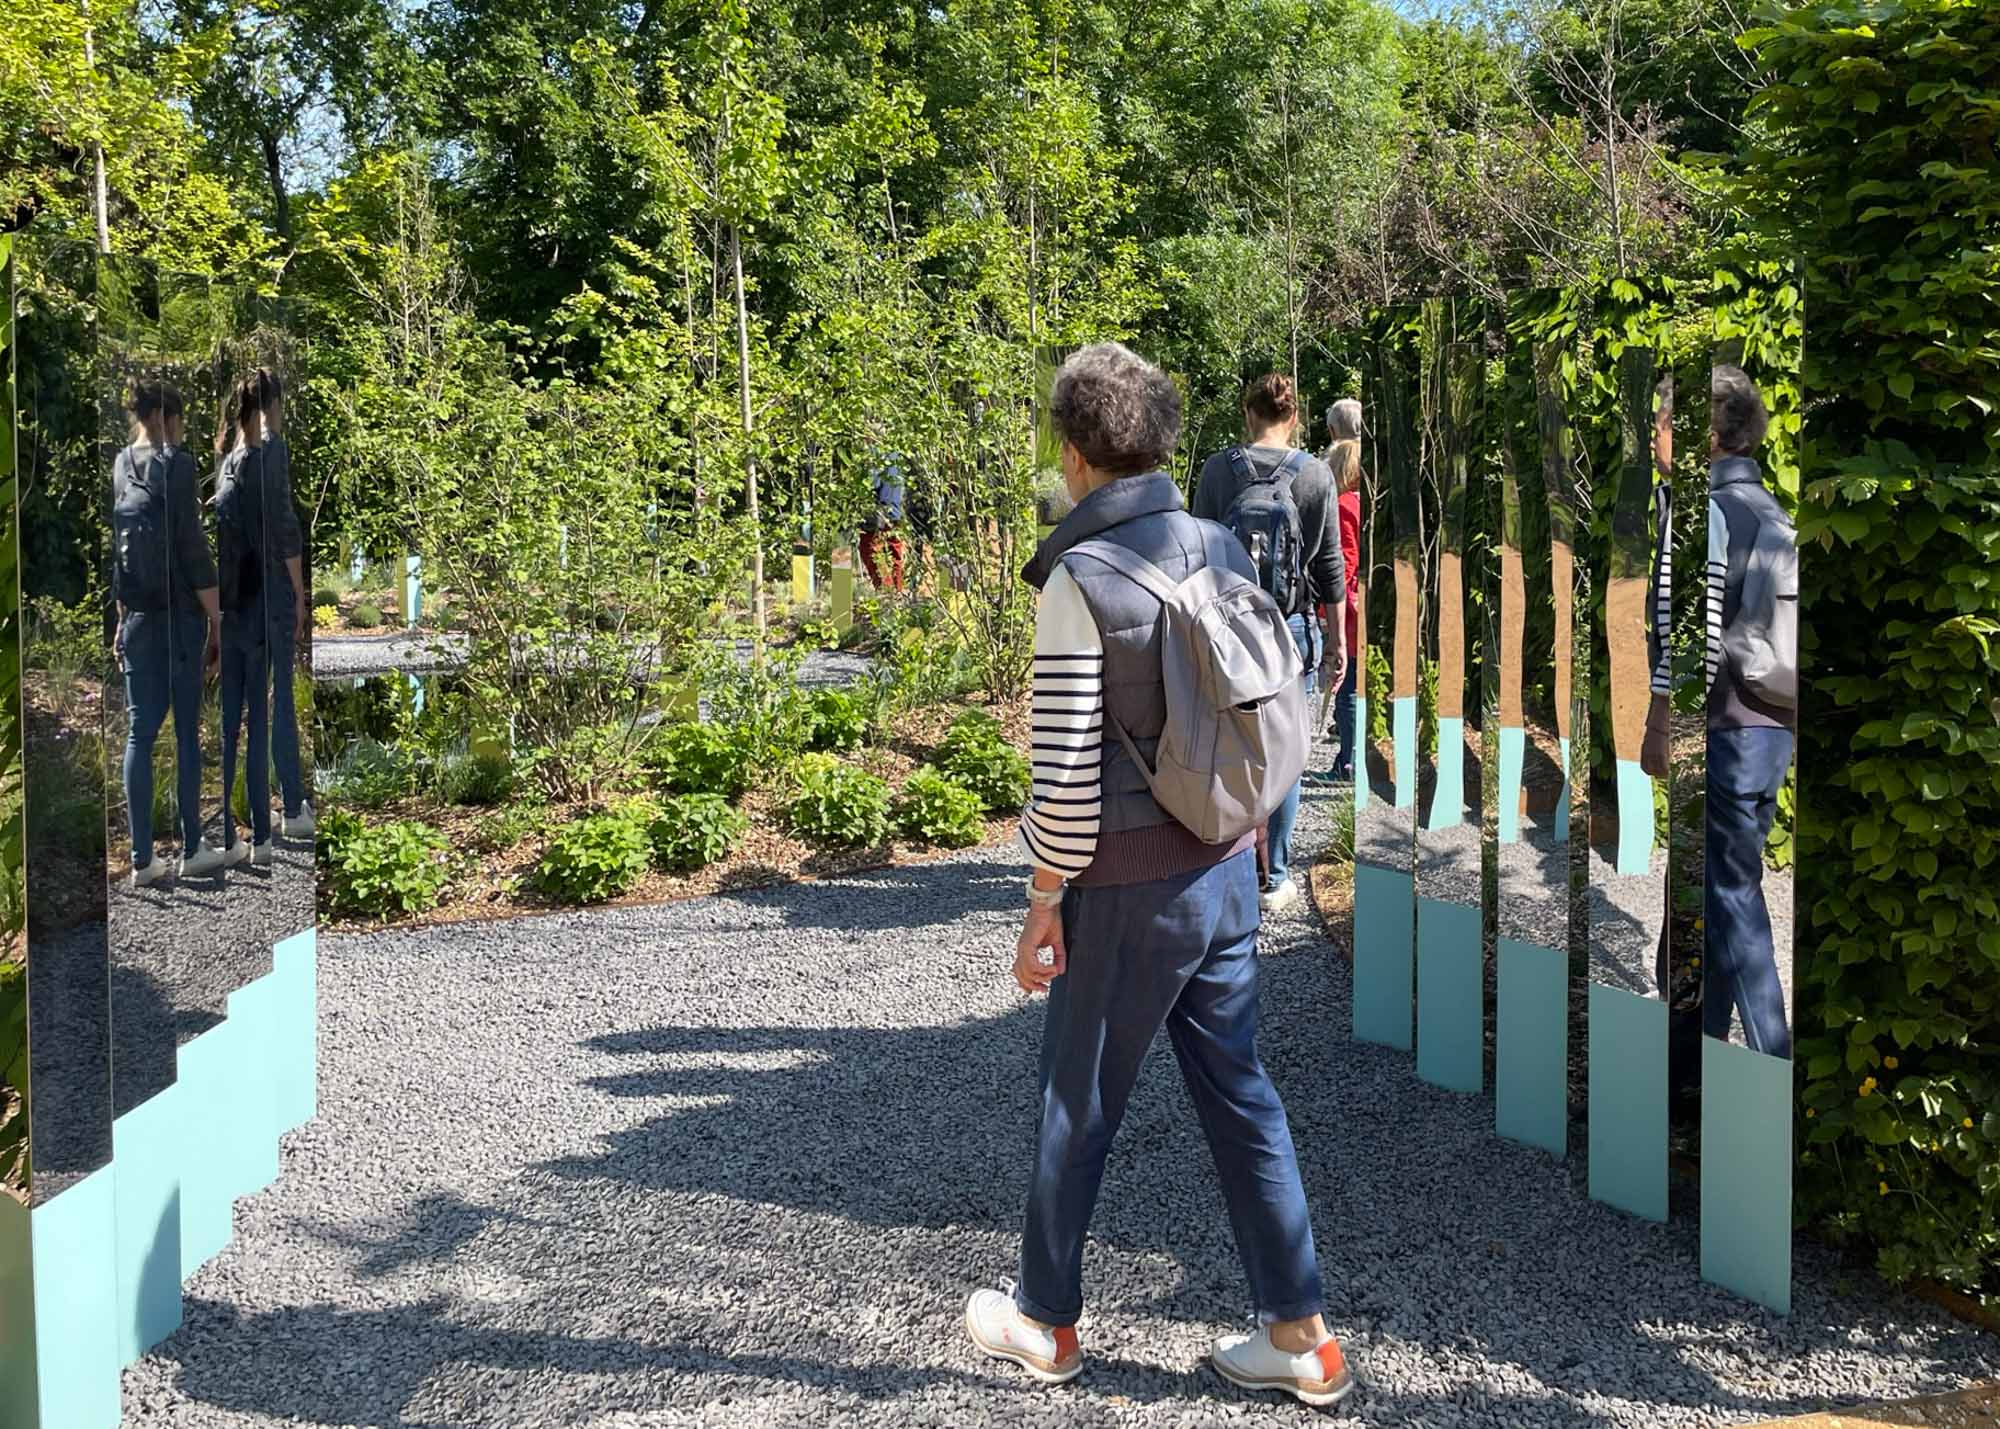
<point x="239" y="548"/>
<point x="139" y="532"/>
<point x="1266" y="520"/>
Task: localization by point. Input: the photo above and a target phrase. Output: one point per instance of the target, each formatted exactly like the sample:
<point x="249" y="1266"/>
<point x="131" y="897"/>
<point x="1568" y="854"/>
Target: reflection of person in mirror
<point x="1752" y="714"/>
<point x="169" y="621"/>
<point x="881" y="531"/>
<point x="1343" y="426"/>
<point x="287" y="611"/>
<point x="257" y="593"/>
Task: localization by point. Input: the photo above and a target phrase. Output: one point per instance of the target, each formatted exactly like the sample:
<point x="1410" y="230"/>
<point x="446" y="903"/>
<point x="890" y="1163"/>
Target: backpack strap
<point x="1133" y="567"/>
<point x="1239" y="462"/>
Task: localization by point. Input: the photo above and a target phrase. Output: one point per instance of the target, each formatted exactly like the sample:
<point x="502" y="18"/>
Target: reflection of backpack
<point x="139" y="532"/>
<point x="1265" y="519"/>
<point x="1761" y="645"/>
<point x="239" y="538"/>
<point x="1235" y="737"/>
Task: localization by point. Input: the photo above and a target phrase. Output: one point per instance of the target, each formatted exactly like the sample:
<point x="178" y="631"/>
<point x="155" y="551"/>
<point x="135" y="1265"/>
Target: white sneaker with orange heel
<point x="998" y="1327"/>
<point x="1318" y="1377"/>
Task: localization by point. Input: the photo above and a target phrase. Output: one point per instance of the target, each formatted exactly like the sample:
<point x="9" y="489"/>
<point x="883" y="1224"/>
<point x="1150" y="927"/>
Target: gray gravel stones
<point x="1626" y="914"/>
<point x="737" y="1162"/>
<point x="345" y="656"/>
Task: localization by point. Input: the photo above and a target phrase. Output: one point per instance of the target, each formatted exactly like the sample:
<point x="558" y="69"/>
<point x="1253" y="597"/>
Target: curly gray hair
<point x="1736" y="409"/>
<point x="1120" y="412"/>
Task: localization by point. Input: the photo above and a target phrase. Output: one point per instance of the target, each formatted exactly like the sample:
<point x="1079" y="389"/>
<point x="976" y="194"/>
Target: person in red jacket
<point x="1343" y="427"/>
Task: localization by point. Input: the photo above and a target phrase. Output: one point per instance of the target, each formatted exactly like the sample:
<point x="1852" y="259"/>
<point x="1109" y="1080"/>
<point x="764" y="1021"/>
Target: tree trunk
<point x="749" y="424"/>
<point x="281" y="201"/>
<point x="100" y="188"/>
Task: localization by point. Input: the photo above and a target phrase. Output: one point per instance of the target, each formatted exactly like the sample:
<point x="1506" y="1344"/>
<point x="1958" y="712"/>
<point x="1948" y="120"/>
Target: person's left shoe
<point x="1318" y="1377"/>
<point x="1279" y="897"/>
<point x="1000" y="1330"/>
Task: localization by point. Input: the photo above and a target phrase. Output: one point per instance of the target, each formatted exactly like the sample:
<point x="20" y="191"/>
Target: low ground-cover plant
<point x="505" y="828"/>
<point x="333" y="828"/>
<point x="383" y="869"/>
<point x="368" y="774"/>
<point x="975" y="753"/>
<point x="697" y="758"/>
<point x="483" y="779"/>
<point x="365" y="616"/>
<point x="594" y="858"/>
<point x="691" y="831"/>
<point x="836" y="803"/>
<point x="934" y="809"/>
<point x="837" y="720"/>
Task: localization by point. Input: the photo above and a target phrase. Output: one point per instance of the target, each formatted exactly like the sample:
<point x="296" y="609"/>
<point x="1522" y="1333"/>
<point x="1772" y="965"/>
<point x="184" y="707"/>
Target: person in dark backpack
<point x="169" y="622"/>
<point x="1133" y="922"/>
<point x="1283" y="505"/>
<point x="1752" y="718"/>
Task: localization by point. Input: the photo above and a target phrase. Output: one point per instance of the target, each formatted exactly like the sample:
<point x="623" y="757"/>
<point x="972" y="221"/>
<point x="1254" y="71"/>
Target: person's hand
<point x="299" y="624"/>
<point x="211" y="655"/>
<point x="1653" y="753"/>
<point x="1043" y="929"/>
<point x="1335" y="664"/>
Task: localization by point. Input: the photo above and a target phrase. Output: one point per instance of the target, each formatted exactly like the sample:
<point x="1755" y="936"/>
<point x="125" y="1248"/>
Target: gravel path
<point x="737" y="1161"/>
<point x="344" y="656"/>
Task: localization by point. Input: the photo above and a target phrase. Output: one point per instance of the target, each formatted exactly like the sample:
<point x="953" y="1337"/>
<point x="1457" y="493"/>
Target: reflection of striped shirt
<point x="1663" y="588"/>
<point x="1059" y="830"/>
<point x="1718" y="580"/>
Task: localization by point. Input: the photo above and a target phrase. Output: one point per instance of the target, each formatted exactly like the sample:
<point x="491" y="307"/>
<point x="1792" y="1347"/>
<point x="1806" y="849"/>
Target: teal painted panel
<point x="253" y="1112"/>
<point x="147" y="1144"/>
<point x="1403" y="726"/>
<point x="209" y="1066"/>
<point x="1635" y="818"/>
<point x="17" y="1317"/>
<point x="1451" y="996"/>
<point x="1360" y="747"/>
<point x="1562" y="796"/>
<point x="1531" y="1045"/>
<point x="76" y="1304"/>
<point x="1513" y="746"/>
<point x="1628" y="1101"/>
<point x="1746" y="1173"/>
<point x="1448" y="802"/>
<point x="1384" y="953"/>
<point x="295" y="964"/>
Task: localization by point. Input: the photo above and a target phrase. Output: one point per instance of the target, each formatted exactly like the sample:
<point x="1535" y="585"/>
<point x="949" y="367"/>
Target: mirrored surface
<point x="61" y="453"/>
<point x="14" y="1108"/>
<point x="1386" y="792"/>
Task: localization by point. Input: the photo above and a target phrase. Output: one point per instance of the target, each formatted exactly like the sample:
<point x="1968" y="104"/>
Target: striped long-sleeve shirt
<point x="1663" y="589"/>
<point x="1059" y="831"/>
<point x="1718" y="580"/>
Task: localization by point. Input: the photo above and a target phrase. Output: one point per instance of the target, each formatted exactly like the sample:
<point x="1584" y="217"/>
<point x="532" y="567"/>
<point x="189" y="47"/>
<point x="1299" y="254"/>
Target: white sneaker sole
<point x="1279" y="900"/>
<point x="1319" y="1396"/>
<point x="1036" y="1367"/>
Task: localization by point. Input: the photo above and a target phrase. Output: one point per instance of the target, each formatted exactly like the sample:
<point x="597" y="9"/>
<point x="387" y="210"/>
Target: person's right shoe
<point x="1279" y="897"/>
<point x="154" y="872"/>
<point x="206" y="858"/>
<point x="1318" y="1377"/>
<point x="260" y="854"/>
<point x="299" y="825"/>
<point x="998" y="1328"/>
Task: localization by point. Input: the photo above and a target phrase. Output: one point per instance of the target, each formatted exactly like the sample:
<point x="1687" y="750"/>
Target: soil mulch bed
<point x="491" y="882"/>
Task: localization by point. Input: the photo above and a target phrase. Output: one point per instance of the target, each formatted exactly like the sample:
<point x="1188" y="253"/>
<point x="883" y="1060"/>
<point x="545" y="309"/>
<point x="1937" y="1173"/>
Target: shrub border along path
<point x="737" y="1160"/>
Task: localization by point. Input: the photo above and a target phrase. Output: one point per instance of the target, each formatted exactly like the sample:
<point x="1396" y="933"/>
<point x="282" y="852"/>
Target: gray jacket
<point x="1736" y="486"/>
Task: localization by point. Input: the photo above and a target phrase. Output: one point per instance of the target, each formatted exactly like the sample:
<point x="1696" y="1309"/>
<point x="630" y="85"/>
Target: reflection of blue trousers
<point x="1305" y="631"/>
<point x="1178" y="951"/>
<point x="284" y="708"/>
<point x="1746" y="768"/>
<point x="245" y="671"/>
<point x="1343" y="712"/>
<point x="163" y="652"/>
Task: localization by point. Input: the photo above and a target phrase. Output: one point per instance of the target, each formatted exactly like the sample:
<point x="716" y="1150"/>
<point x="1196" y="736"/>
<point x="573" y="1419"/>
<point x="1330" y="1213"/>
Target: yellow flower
<point x="1880" y="1167"/>
<point x="1968" y="1123"/>
<point x="1882" y="1187"/>
<point x="1867" y="1085"/>
<point x="1811" y="1112"/>
<point x="1890" y="1063"/>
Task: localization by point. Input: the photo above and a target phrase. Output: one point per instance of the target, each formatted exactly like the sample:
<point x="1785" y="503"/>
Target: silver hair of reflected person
<point x="1120" y="412"/>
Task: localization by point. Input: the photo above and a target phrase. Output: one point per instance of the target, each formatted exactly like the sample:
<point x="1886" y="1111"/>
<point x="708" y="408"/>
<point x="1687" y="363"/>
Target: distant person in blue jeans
<point x="169" y="623"/>
<point x="1309" y="577"/>
<point x="287" y="609"/>
<point x="1750" y="741"/>
<point x="1143" y="924"/>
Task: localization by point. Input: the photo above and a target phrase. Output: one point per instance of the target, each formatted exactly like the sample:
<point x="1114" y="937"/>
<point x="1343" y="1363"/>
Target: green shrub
<point x="697" y="758"/>
<point x="975" y="754"/>
<point x="326" y="598"/>
<point x="836" y="720"/>
<point x="1874" y="173"/>
<point x="385" y="869"/>
<point x="369" y="774"/>
<point x="836" y="803"/>
<point x="691" y="831"/>
<point x="936" y="810"/>
<point x="479" y="779"/>
<point x="365" y="615"/>
<point x="331" y="832"/>
<point x="504" y="828"/>
<point x="594" y="858"/>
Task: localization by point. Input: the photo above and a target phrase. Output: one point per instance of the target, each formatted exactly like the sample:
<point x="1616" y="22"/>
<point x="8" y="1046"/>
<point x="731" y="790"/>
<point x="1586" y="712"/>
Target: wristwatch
<point x="1045" y="897"/>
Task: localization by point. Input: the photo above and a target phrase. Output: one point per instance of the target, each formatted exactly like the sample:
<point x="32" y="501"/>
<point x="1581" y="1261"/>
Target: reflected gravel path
<point x="736" y="1162"/>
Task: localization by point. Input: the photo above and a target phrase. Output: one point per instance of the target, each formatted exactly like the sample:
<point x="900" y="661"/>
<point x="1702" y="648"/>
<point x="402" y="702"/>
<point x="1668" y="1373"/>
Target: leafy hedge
<point x="1878" y="166"/>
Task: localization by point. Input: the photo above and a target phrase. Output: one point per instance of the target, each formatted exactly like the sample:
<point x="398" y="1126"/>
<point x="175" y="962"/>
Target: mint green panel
<point x="1746" y="1173"/>
<point x="295" y="966"/>
<point x="1448" y="803"/>
<point x="1384" y="934"/>
<point x="76" y="1304"/>
<point x="1360" y="748"/>
<point x="1628" y="1101"/>
<point x="1531" y="1046"/>
<point x="1513" y="746"/>
<point x="148" y="1144"/>
<point x="1451" y="995"/>
<point x="253" y="1112"/>
<point x="1635" y="819"/>
<point x="1403" y="727"/>
<point x="209" y="1070"/>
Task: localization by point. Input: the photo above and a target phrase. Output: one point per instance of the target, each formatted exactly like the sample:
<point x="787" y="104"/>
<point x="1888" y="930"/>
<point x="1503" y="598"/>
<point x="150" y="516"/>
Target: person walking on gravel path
<point x="1133" y="923"/>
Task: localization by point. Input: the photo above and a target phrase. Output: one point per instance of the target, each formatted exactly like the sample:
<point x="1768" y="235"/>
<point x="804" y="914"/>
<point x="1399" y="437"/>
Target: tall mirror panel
<point x="1449" y="887"/>
<point x="1752" y="699"/>
<point x="18" y="1385"/>
<point x="1629" y="558"/>
<point x="1385" y="764"/>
